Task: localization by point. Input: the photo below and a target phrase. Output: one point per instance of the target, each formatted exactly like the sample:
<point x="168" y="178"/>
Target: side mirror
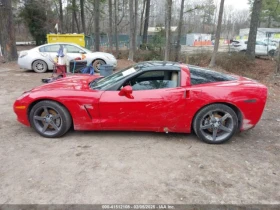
<point x="82" y="52"/>
<point x="127" y="92"/>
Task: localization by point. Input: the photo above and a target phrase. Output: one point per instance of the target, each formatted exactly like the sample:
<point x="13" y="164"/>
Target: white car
<point x="261" y="47"/>
<point x="40" y="59"/>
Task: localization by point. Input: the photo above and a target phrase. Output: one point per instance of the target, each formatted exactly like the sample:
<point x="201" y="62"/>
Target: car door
<point x="157" y="103"/>
<point x="51" y="50"/>
<point x="74" y="52"/>
<point x="261" y="48"/>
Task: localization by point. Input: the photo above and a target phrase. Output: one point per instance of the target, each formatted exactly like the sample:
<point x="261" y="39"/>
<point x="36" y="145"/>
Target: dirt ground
<point x="135" y="167"/>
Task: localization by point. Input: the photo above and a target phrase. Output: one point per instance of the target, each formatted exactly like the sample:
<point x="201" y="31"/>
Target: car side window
<point x="202" y="76"/>
<point x="42" y="49"/>
<point x="72" y="49"/>
<point x="151" y="80"/>
<point x="260" y="43"/>
<point x="52" y="48"/>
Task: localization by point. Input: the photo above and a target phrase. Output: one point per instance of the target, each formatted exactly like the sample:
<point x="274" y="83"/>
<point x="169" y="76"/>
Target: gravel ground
<point x="134" y="167"/>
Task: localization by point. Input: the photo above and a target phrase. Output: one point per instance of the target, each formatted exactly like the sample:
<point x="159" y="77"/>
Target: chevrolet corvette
<point x="149" y="96"/>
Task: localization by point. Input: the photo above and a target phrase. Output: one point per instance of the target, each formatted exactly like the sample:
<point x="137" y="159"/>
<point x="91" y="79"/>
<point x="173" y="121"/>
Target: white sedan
<point x="40" y="59"/>
<point x="261" y="49"/>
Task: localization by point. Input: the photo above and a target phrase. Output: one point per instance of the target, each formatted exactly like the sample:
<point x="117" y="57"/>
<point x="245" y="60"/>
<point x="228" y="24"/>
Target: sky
<point x="237" y="4"/>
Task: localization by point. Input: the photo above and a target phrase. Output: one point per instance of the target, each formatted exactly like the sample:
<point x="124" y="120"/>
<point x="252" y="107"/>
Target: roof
<point x="160" y="65"/>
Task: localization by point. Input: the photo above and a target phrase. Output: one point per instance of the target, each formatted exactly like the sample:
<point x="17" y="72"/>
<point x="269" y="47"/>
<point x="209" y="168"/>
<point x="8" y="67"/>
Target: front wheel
<point x="50" y="119"/>
<point x="215" y="124"/>
<point x="96" y="65"/>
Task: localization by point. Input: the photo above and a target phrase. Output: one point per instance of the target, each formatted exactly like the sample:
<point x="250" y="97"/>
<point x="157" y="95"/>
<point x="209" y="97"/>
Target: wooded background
<point x="33" y="19"/>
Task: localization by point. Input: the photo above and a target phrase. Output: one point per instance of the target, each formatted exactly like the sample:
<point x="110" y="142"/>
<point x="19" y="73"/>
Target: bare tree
<point x="168" y="29"/>
<point x="61" y="16"/>
<point x="131" y="30"/>
<point x="74" y="17"/>
<point x="218" y="34"/>
<point x="116" y="28"/>
<point x="96" y="25"/>
<point x="83" y="16"/>
<point x="110" y="26"/>
<point x="135" y="25"/>
<point x="255" y="19"/>
<point x="179" y="30"/>
<point x="142" y="16"/>
<point x="7" y="32"/>
<point x="146" y="22"/>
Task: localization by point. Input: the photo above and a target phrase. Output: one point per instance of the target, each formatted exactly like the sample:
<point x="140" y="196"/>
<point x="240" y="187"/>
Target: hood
<point x="76" y="82"/>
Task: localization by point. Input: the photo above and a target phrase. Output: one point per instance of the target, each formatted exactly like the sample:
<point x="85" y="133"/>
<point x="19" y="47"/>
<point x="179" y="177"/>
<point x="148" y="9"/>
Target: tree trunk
<point x="167" y="29"/>
<point x="73" y="16"/>
<point x="110" y="26"/>
<point x="83" y="16"/>
<point x="96" y="25"/>
<point x="218" y="34"/>
<point x="61" y="16"/>
<point x="177" y="52"/>
<point x="277" y="70"/>
<point x="255" y="18"/>
<point x="142" y="16"/>
<point x="135" y="26"/>
<point x="116" y="29"/>
<point x="146" y="22"/>
<point x="76" y="18"/>
<point x="7" y="32"/>
<point x="131" y="30"/>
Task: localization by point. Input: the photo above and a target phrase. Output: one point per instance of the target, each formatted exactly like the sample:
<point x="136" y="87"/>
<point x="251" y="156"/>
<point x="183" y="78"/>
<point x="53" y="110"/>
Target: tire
<point x="271" y="53"/>
<point x="50" y="119"/>
<point x="96" y="65"/>
<point x="215" y="124"/>
<point x="39" y="66"/>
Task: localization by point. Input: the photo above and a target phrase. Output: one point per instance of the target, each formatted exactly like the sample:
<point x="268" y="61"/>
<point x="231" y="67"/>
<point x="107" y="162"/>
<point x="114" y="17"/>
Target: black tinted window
<point x="201" y="76"/>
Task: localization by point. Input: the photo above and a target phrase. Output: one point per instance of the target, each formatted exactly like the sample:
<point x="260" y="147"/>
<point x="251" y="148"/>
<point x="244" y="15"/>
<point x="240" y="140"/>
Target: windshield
<point x="112" y="79"/>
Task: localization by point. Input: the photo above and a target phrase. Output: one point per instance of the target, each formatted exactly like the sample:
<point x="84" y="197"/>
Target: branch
<point x="195" y="8"/>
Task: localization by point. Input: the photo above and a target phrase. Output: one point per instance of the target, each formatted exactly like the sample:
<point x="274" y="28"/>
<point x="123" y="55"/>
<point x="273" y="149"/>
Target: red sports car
<point x="148" y="96"/>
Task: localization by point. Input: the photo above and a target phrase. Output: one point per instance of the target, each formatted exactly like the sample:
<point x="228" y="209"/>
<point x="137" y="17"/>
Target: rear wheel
<point x="215" y="124"/>
<point x="39" y="66"/>
<point x="50" y="119"/>
<point x="96" y="65"/>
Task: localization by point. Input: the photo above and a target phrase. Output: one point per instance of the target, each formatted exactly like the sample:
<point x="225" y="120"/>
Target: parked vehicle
<point x="149" y="96"/>
<point x="262" y="48"/>
<point x="40" y="59"/>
